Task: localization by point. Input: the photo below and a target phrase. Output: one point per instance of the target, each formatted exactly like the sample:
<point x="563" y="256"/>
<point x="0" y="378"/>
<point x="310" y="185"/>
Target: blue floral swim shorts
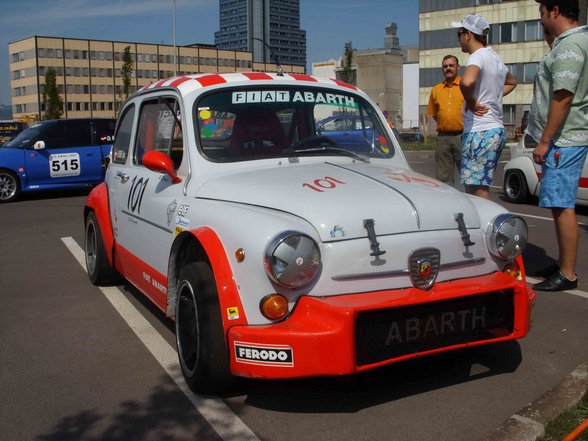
<point x="479" y="155"/>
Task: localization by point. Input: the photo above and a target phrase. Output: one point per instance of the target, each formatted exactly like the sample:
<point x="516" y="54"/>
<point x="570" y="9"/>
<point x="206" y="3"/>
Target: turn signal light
<point x="513" y="270"/>
<point x="274" y="306"/>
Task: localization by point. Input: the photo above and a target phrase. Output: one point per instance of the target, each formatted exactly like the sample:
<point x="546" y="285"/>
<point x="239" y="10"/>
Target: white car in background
<point x="522" y="175"/>
<point x="281" y="252"/>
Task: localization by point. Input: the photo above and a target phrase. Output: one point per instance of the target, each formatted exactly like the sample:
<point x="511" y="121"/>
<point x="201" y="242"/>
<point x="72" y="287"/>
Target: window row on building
<point x="523" y="72"/>
<point x="443" y="5"/>
<point x="500" y="33"/>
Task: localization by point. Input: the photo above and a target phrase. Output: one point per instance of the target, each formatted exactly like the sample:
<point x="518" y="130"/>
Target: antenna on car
<point x="280" y="72"/>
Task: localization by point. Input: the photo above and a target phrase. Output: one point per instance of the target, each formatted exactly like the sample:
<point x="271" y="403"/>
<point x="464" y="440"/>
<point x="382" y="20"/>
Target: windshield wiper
<point x="331" y="149"/>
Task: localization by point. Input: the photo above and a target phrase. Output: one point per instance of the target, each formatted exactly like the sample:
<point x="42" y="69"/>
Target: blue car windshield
<point x="24" y="138"/>
<point x="281" y="121"/>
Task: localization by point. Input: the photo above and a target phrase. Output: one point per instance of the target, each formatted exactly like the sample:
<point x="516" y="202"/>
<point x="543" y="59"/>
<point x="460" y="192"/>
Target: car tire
<point x="98" y="267"/>
<point x="9" y="186"/>
<point x="200" y="340"/>
<point x="515" y="186"/>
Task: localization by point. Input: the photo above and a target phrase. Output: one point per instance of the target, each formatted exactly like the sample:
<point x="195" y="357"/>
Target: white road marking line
<point x="546" y="218"/>
<point x="220" y="417"/>
<point x="575" y="292"/>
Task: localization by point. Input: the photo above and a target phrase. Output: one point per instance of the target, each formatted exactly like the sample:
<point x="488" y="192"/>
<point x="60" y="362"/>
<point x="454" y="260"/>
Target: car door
<point x="64" y="155"/>
<point x="146" y="201"/>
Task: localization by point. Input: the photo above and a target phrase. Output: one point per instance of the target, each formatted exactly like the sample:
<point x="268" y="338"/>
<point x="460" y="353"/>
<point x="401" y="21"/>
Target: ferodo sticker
<point x="265" y="355"/>
<point x="287" y="96"/>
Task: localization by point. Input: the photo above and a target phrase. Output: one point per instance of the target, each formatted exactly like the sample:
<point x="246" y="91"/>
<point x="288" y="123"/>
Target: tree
<point x="51" y="99"/>
<point x="348" y="73"/>
<point x="125" y="72"/>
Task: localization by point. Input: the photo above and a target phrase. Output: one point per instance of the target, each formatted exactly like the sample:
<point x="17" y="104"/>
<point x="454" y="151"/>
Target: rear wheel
<point x="9" y="186"/>
<point x="99" y="269"/>
<point x="202" y="350"/>
<point x="515" y="186"/>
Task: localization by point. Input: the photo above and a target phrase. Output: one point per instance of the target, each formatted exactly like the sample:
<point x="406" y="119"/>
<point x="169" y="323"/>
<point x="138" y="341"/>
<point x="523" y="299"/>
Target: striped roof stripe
<point x="188" y="83"/>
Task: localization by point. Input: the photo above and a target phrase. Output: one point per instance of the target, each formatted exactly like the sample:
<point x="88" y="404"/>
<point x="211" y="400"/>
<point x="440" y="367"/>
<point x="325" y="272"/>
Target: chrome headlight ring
<point x="292" y="259"/>
<point x="506" y="236"/>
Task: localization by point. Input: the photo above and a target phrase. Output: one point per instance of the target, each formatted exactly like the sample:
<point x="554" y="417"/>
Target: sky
<point x="328" y="24"/>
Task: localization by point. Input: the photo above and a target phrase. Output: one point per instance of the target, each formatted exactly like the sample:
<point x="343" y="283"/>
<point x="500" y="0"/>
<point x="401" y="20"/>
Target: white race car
<point x="281" y="253"/>
<point x="522" y="176"/>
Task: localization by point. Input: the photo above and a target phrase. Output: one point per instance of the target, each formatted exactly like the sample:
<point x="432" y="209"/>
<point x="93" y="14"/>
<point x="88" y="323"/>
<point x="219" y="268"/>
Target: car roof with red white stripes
<point x="187" y="84"/>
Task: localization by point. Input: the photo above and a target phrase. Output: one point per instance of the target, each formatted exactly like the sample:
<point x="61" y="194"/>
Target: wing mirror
<point x="161" y="163"/>
<point x="39" y="145"/>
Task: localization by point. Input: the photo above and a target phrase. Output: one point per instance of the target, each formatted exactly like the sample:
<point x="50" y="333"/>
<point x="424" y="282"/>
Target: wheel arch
<point x="98" y="203"/>
<point x="527" y="167"/>
<point x="204" y="245"/>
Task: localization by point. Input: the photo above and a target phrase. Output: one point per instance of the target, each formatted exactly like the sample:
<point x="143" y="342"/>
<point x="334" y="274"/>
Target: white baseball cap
<point x="473" y="23"/>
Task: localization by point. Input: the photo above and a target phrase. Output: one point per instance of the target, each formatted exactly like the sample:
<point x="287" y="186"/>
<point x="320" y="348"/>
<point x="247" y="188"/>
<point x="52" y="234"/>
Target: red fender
<point x="228" y="294"/>
<point x="98" y="202"/>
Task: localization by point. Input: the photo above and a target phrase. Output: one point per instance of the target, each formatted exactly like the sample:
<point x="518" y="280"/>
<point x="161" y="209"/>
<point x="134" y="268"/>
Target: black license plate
<point x="385" y="334"/>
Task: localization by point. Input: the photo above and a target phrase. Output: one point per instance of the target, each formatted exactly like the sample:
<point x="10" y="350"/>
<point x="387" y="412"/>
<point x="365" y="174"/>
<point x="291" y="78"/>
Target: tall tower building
<point x="248" y="24"/>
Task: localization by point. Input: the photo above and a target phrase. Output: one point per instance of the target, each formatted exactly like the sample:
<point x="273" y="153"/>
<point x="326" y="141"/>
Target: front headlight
<point x="506" y="237"/>
<point x="292" y="259"/>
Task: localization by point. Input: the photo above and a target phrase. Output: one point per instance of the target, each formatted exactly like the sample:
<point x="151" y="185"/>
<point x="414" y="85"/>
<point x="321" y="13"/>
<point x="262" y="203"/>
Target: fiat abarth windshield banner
<point x="236" y="125"/>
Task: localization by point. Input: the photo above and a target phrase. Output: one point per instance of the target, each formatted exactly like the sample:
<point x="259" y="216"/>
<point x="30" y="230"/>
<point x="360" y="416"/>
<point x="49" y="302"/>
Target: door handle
<point x="122" y="176"/>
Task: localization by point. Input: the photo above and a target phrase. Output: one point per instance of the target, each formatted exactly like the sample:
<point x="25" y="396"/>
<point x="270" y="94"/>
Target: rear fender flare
<point x="98" y="203"/>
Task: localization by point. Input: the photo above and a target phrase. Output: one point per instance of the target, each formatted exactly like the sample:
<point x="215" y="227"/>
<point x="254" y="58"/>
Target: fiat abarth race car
<point x="522" y="177"/>
<point x="282" y="254"/>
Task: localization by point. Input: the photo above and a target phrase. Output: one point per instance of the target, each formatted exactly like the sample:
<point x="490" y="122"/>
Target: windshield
<point x="263" y="122"/>
<point x="24" y="138"/>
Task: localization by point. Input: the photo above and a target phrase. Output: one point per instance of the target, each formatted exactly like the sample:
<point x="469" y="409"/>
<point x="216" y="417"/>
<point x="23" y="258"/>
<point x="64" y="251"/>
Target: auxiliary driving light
<point x="513" y="270"/>
<point x="274" y="306"/>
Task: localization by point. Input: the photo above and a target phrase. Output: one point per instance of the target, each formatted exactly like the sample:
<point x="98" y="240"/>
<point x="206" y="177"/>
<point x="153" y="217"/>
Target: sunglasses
<point x="461" y="32"/>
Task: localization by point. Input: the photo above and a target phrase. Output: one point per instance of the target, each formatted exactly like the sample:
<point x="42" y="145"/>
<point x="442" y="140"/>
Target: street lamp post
<point x="174" y="32"/>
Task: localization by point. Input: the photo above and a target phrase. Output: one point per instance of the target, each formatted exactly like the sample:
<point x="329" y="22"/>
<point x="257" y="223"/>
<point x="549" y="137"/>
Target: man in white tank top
<point x="485" y="81"/>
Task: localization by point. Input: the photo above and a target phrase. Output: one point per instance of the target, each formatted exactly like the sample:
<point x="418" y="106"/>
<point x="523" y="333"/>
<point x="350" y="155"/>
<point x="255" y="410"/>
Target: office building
<point x="515" y="34"/>
<point x="88" y="71"/>
<point x="258" y="25"/>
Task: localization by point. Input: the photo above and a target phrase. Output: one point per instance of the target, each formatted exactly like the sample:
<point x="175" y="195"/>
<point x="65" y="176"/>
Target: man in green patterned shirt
<point x="558" y="120"/>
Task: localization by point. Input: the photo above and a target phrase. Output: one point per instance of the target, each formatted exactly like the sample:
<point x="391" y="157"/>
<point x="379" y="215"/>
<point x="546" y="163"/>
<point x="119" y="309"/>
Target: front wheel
<point x="9" y="186"/>
<point x="515" y="186"/>
<point x="202" y="350"/>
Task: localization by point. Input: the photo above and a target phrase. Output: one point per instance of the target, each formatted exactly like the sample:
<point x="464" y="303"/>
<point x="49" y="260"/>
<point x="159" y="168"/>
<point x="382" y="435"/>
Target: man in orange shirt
<point x="445" y="105"/>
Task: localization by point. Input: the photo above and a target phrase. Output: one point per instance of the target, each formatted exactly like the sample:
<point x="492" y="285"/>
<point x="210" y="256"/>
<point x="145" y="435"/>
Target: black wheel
<point x="9" y="186"/>
<point x="515" y="186"/>
<point x="97" y="264"/>
<point x="200" y="339"/>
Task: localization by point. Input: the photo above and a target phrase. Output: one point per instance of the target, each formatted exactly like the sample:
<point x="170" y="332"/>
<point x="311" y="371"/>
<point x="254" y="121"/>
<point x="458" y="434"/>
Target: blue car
<point x="348" y="130"/>
<point x="56" y="154"/>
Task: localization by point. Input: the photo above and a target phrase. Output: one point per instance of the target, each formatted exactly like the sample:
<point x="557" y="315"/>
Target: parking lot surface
<point x="82" y="363"/>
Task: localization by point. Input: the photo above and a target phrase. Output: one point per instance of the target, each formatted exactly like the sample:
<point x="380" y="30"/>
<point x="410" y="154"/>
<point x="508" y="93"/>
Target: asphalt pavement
<point x="82" y="363"/>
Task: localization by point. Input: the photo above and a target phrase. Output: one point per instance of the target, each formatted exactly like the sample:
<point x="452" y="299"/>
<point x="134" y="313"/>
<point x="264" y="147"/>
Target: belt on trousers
<point x="458" y="132"/>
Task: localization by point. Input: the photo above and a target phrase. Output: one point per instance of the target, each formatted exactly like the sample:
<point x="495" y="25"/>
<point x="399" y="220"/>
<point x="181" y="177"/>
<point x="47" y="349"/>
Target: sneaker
<point x="556" y="282"/>
<point x="547" y="271"/>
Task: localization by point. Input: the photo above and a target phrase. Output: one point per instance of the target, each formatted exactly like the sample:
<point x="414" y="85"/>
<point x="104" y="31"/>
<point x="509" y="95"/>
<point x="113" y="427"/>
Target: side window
<point x="54" y="136"/>
<point x="160" y="129"/>
<point x="104" y="131"/>
<point x="120" y="148"/>
<point x="77" y="133"/>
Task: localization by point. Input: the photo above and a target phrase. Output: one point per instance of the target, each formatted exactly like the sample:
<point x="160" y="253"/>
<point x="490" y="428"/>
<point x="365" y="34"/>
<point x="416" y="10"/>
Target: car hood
<point x="336" y="198"/>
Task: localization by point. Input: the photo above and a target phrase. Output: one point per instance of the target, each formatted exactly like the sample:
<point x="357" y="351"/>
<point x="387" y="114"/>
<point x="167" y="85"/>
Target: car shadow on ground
<point x="350" y="394"/>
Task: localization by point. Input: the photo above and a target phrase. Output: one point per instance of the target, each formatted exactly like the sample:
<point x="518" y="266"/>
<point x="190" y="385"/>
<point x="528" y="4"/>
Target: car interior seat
<point x="257" y="132"/>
